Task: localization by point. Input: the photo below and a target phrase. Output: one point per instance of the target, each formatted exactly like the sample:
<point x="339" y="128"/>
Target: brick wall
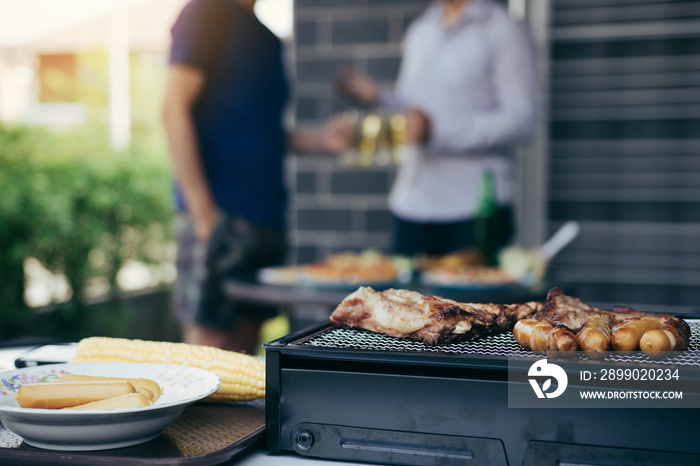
<point x="334" y="208"/>
<point x="624" y="153"/>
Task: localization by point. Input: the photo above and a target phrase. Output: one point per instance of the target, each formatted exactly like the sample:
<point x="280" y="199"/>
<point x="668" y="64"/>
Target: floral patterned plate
<point x="101" y="429"/>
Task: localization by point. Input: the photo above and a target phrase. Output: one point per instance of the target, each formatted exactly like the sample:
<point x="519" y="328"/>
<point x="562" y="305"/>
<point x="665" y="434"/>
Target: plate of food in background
<point x="351" y="269"/>
<point x="517" y="267"/>
<point x="467" y="270"/>
<point x="472" y="278"/>
<point x="343" y="270"/>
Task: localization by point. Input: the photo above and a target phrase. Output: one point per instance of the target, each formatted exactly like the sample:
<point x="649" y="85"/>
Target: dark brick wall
<point x="624" y="156"/>
<point x="333" y="208"/>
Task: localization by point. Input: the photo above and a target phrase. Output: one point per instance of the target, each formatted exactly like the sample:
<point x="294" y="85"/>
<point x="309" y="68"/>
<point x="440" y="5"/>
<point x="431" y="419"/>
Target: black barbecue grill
<point x="357" y="395"/>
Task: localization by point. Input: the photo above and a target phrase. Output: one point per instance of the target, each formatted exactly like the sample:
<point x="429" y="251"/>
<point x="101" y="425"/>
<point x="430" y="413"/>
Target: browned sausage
<point x="594" y="337"/>
<point x="669" y="337"/>
<point x="627" y="336"/>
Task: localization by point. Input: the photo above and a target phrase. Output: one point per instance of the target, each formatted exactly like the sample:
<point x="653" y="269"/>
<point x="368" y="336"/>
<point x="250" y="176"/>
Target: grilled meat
<point x="544" y="337"/>
<point x="431" y="319"/>
<point x="597" y="330"/>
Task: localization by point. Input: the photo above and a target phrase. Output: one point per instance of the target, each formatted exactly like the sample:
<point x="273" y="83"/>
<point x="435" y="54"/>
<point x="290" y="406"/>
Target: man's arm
<point x="334" y="138"/>
<point x="357" y="86"/>
<point x="184" y="85"/>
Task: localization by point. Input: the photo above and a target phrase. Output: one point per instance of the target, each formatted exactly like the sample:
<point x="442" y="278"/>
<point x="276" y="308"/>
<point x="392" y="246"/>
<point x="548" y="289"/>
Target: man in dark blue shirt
<point x="224" y="103"/>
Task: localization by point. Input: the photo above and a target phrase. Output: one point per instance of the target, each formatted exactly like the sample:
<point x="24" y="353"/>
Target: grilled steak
<point x="431" y="319"/>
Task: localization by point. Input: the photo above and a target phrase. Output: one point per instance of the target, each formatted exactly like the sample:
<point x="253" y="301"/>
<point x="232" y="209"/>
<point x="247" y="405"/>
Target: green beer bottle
<point x="487" y="228"/>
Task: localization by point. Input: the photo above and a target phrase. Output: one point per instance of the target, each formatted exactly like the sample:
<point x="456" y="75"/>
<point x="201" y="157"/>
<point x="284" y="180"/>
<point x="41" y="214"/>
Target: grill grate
<point x="496" y="345"/>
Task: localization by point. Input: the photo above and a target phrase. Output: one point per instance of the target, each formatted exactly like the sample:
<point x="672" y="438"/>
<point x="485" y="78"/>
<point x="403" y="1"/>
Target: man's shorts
<point x="236" y="250"/>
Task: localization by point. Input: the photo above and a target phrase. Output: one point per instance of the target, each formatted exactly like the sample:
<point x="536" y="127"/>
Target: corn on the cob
<point x="242" y="376"/>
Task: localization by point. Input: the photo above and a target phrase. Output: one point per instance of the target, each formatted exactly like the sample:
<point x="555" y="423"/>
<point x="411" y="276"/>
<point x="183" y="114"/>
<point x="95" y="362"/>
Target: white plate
<point x="448" y="281"/>
<point x="101" y="429"/>
<point x="285" y="275"/>
<point x="402" y="278"/>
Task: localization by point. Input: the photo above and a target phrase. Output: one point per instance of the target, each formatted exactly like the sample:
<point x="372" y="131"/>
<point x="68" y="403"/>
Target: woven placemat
<point x="205" y="433"/>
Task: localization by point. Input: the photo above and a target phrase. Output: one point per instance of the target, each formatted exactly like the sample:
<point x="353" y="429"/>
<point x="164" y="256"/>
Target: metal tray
<point x="206" y="433"/>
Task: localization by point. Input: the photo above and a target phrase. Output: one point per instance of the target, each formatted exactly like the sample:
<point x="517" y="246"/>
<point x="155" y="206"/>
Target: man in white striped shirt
<point x="468" y="87"/>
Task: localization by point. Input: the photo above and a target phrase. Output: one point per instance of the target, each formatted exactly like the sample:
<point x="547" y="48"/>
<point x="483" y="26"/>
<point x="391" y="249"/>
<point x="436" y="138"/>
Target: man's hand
<point x="417" y="126"/>
<point x="357" y="86"/>
<point x="204" y="223"/>
<point x="337" y="134"/>
<point x="334" y="138"/>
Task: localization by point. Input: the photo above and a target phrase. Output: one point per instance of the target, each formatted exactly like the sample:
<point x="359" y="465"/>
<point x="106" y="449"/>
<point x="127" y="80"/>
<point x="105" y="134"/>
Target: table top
<point x="331" y="296"/>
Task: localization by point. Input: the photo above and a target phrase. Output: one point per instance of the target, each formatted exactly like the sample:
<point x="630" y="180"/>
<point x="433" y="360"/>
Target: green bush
<point x="66" y="198"/>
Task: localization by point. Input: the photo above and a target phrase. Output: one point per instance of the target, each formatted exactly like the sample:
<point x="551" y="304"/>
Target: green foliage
<point x="66" y="198"/>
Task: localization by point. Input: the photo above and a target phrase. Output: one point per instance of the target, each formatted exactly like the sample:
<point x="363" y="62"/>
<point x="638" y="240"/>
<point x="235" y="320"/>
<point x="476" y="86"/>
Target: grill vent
<point x="496" y="345"/>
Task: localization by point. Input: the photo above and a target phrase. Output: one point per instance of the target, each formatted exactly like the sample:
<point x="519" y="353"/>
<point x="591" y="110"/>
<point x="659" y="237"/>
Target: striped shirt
<point x="476" y="82"/>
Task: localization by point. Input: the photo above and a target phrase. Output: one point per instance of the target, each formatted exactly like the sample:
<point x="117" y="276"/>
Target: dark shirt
<point x="238" y="117"/>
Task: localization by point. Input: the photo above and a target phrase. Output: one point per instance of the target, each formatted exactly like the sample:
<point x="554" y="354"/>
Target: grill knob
<point x="304" y="440"/>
